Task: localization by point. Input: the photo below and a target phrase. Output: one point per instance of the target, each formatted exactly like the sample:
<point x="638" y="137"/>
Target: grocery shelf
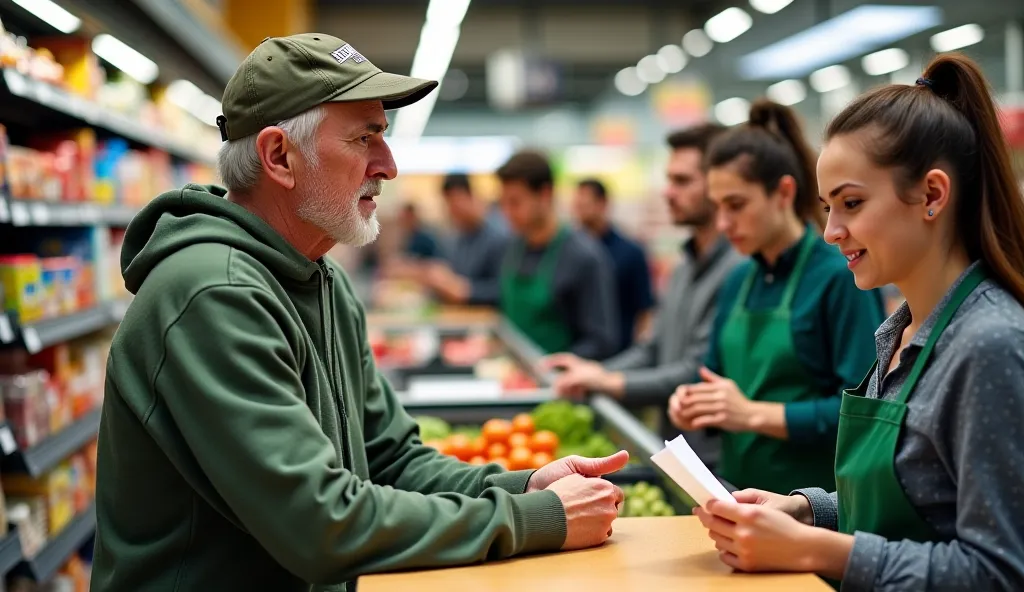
<point x="31" y="212"/>
<point x="60" y="548"/>
<point x="47" y="454"/>
<point x="20" y="92"/>
<point x="10" y="551"/>
<point x="39" y="335"/>
<point x="464" y="410"/>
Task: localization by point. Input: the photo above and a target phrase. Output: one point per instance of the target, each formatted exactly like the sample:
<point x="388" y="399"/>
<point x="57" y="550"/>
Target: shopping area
<point x="106" y="105"/>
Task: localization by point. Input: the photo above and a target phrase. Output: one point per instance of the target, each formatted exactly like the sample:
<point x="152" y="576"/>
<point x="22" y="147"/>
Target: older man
<point x="248" y="442"/>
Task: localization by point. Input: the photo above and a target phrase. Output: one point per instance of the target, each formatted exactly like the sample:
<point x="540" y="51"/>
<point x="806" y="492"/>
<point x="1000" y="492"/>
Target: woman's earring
<point x="931" y="213"/>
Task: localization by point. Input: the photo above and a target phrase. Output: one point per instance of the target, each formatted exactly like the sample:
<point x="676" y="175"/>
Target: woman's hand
<point x="719" y="403"/>
<point x="756" y="537"/>
<point x="796" y="505"/>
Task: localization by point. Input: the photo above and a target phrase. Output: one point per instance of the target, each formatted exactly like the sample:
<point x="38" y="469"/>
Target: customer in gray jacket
<point x="648" y="373"/>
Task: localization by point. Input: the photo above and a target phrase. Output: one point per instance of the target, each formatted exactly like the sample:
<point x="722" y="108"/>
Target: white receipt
<point x="682" y="464"/>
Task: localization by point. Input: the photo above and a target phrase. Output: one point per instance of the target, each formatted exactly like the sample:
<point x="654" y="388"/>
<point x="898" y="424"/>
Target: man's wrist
<point x="613" y="384"/>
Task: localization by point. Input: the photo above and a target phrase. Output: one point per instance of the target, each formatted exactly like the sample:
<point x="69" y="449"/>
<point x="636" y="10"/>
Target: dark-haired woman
<point x="792" y="329"/>
<point x="930" y="463"/>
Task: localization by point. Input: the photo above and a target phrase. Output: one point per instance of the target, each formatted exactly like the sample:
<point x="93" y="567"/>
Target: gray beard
<point x="339" y="216"/>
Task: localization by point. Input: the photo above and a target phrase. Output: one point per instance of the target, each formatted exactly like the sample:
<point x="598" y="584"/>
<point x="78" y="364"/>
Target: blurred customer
<point x="419" y="242"/>
<point x="471" y="274"/>
<point x="649" y="372"/>
<point x="248" y="441"/>
<point x="557" y="284"/>
<point x="792" y="329"/>
<point x="632" y="274"/>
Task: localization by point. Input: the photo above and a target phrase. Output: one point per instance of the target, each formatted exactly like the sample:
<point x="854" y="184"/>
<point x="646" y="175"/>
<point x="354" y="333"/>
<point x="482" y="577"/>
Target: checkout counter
<point x="468" y="366"/>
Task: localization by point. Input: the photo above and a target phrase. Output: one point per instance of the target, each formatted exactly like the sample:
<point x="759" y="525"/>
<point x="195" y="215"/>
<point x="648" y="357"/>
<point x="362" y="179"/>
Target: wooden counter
<point x="643" y="554"/>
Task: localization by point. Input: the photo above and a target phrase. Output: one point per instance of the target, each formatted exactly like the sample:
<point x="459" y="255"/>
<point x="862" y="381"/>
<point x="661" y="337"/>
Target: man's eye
<point x="364" y="139"/>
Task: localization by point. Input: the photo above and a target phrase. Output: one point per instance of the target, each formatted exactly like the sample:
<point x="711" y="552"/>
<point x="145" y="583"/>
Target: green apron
<point x="757" y="352"/>
<point x="528" y="301"/>
<point x="871" y="498"/>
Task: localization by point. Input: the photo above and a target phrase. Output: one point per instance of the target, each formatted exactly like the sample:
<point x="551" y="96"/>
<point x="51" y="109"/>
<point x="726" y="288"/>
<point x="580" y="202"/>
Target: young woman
<point x="792" y="329"/>
<point x="930" y="463"/>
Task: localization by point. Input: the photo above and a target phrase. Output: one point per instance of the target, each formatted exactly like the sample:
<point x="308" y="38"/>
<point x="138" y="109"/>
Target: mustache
<point x="371" y="188"/>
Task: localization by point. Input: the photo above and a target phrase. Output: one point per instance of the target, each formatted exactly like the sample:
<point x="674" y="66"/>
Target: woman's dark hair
<point x="768" y="147"/>
<point x="949" y="119"/>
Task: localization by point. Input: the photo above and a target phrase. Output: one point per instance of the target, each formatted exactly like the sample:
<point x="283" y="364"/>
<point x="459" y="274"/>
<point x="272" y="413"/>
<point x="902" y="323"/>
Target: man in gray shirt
<point x="648" y="373"/>
<point x="557" y="284"/>
<point x="470" y="275"/>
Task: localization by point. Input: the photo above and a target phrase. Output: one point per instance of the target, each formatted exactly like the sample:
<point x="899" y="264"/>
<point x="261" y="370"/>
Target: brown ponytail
<point x="950" y="117"/>
<point x="768" y="147"/>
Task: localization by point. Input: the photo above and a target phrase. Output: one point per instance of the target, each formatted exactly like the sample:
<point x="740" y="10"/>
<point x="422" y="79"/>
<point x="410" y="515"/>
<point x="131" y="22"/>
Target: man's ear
<point x="276" y="153"/>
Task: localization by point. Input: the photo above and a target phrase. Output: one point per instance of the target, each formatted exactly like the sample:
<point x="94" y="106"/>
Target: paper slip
<point x="683" y="465"/>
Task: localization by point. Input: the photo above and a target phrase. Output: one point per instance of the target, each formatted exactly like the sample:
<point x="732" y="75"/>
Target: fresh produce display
<point x="644" y="500"/>
<point x="530" y="440"/>
<point x="574" y="426"/>
<point x="515" y="444"/>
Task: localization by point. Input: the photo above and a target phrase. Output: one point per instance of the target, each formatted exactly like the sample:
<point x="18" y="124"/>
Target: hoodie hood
<point x="198" y="214"/>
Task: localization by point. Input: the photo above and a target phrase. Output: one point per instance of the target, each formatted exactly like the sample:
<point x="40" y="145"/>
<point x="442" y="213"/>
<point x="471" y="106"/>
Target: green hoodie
<point x="248" y="441"/>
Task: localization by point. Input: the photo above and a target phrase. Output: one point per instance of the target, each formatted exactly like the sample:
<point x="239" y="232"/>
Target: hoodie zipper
<point x="333" y="365"/>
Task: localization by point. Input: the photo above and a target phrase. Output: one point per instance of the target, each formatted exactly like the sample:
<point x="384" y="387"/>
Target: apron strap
<point x="798" y="268"/>
<point x="546" y="266"/>
<point x="969" y="283"/>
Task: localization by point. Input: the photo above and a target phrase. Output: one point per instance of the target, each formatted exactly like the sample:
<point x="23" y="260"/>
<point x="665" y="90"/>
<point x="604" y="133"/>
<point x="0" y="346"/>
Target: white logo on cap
<point x="345" y="52"/>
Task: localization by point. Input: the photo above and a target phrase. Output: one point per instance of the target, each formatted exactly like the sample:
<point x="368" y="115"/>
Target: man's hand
<point x="576" y="465"/>
<point x="715" y="403"/>
<point x="448" y="285"/>
<point x="590" y="507"/>
<point x="579" y="377"/>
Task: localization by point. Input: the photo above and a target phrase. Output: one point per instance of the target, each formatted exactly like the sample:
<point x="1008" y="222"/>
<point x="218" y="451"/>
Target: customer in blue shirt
<point x="632" y="275"/>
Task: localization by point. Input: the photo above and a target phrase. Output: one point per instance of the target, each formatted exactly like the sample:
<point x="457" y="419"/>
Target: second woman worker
<point x="792" y="329"/>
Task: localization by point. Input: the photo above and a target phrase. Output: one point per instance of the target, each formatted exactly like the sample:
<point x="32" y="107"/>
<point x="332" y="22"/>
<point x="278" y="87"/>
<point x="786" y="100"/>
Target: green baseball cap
<point x="285" y="76"/>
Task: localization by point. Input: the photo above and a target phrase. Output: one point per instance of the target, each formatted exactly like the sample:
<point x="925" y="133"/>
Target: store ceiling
<point x="591" y="40"/>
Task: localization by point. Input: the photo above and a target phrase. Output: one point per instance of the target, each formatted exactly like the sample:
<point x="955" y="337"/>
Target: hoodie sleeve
<point x="237" y="399"/>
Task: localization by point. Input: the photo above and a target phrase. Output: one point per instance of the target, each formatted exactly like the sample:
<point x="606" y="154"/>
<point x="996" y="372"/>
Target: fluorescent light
<point x="961" y="36"/>
<point x="732" y="111"/>
<point x="628" y="82"/>
<point x="787" y="92"/>
<point x="671" y="59"/>
<point x="649" y="70"/>
<point x="851" y="34"/>
<point x="728" y="24"/>
<point x="447" y="13"/>
<point x="885" y="61"/>
<point x="189" y="97"/>
<point x="54" y="15"/>
<point x="830" y="78"/>
<point x="124" y="58"/>
<point x="438" y="38"/>
<point x="697" y="43"/>
<point x="769" y="6"/>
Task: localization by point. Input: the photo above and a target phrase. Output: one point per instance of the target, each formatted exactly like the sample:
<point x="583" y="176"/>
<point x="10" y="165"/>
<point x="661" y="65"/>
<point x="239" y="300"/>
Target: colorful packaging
<point x="22" y="278"/>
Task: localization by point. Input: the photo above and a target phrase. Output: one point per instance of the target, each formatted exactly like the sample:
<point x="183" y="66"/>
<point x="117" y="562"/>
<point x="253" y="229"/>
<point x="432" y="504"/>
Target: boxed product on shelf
<point x="28" y="515"/>
<point x="74" y="152"/>
<point x="54" y="492"/>
<point x="26" y="405"/>
<point x="21" y="276"/>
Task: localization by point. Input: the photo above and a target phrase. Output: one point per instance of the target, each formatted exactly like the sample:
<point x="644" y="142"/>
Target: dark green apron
<point x="757" y="352"/>
<point x="871" y="498"/>
<point x="528" y="301"/>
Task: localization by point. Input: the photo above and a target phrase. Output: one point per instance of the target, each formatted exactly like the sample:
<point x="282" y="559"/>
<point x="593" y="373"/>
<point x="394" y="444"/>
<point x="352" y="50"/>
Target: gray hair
<point x="238" y="164"/>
